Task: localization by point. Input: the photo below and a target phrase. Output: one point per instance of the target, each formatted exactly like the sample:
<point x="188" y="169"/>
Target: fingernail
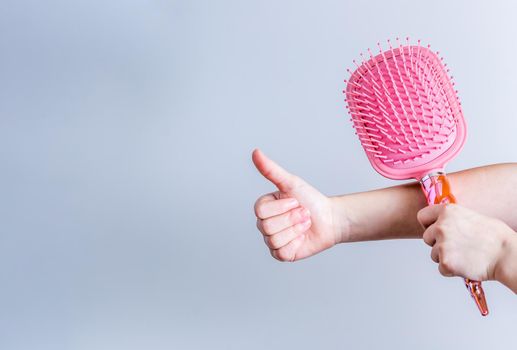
<point x="306" y="213"/>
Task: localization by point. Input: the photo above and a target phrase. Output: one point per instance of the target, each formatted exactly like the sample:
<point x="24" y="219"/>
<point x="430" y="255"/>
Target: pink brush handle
<point x="437" y="191"/>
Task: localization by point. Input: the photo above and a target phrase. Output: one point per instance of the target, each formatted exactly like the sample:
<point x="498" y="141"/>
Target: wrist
<point x="341" y="221"/>
<point x="505" y="270"/>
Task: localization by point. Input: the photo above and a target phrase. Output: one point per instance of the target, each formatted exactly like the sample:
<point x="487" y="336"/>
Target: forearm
<point x="380" y="214"/>
<point x="391" y="212"/>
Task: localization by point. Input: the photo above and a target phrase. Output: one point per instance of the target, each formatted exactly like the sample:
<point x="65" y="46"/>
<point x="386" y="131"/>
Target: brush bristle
<point x="403" y="105"/>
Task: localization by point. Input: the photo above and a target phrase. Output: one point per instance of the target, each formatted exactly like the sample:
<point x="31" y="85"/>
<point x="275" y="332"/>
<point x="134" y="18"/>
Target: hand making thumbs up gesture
<point x="297" y="221"/>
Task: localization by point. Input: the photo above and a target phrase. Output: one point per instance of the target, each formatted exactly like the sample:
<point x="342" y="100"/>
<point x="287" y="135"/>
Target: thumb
<point x="281" y="178"/>
<point x="428" y="215"/>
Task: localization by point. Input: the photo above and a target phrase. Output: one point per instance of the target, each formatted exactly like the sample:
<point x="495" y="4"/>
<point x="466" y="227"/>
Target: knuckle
<point x="273" y="254"/>
<point x="301" y="227"/>
<point x="443" y="270"/>
<point x="441" y="229"/>
<point x="283" y="255"/>
<point x="447" y="265"/>
<point x="267" y="240"/>
<point x="258" y="209"/>
<point x="444" y="266"/>
<point x="293" y="216"/>
<point x="425" y="238"/>
<point x="266" y="226"/>
<point x="259" y="225"/>
<point x="287" y="204"/>
<point x="273" y="241"/>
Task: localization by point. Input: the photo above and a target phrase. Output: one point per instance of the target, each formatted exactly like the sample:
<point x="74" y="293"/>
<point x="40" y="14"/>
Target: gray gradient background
<point x="126" y="187"/>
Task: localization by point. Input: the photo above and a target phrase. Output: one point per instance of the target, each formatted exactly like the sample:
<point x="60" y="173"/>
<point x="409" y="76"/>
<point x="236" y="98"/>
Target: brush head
<point x="405" y="111"/>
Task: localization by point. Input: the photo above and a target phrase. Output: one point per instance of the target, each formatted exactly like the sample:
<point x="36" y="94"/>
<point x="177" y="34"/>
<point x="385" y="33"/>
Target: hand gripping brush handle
<point x="437" y="191"/>
<point x="409" y="121"/>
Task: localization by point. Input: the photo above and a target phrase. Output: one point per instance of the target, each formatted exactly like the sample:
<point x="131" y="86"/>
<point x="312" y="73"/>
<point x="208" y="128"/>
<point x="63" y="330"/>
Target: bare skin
<point x="298" y="221"/>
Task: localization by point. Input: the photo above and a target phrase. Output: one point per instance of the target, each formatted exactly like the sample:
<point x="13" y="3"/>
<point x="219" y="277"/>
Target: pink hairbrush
<point x="409" y="121"/>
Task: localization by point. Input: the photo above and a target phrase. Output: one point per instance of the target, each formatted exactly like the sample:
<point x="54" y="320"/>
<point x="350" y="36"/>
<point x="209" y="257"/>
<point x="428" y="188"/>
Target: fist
<point x="464" y="243"/>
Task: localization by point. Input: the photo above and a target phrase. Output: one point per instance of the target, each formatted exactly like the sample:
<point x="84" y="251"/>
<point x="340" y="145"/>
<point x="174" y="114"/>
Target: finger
<point x="267" y="198"/>
<point x="288" y="252"/>
<point x="281" y="178"/>
<point x="444" y="265"/>
<point x="429" y="236"/>
<point x="280" y="222"/>
<point x="283" y="238"/>
<point x="259" y="226"/>
<point x="270" y="197"/>
<point x="429" y="215"/>
<point x="435" y="254"/>
<point x="267" y="208"/>
<point x="444" y="270"/>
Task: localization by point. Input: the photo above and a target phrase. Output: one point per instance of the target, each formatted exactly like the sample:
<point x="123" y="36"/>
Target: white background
<point x="126" y="186"/>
